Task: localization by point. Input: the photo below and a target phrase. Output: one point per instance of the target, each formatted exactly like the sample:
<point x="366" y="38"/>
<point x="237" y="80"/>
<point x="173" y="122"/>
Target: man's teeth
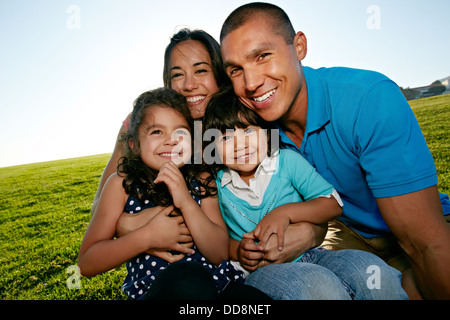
<point x="195" y="99"/>
<point x="265" y="96"/>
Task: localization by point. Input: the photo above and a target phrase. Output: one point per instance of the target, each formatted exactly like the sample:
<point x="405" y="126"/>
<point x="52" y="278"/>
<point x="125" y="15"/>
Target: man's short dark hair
<point x="280" y="21"/>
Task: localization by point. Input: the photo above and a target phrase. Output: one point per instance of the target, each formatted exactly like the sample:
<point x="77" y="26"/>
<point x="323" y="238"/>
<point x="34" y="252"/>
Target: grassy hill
<point x="45" y="209"/>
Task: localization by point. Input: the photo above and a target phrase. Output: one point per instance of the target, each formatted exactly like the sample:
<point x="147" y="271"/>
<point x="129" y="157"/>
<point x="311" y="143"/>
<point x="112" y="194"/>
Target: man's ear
<point x="301" y="46"/>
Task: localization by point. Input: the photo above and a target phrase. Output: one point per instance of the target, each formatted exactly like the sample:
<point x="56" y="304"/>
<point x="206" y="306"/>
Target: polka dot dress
<point x="143" y="269"/>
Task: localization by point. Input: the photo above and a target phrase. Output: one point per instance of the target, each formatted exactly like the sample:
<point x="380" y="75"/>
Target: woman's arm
<point x="100" y="252"/>
<point x="130" y="222"/>
<point x="111" y="167"/>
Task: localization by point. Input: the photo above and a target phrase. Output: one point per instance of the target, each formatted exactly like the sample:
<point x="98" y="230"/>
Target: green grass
<point x="45" y="210"/>
<point x="433" y="115"/>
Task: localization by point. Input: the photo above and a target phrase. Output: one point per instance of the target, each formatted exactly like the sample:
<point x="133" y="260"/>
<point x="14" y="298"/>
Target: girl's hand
<point x="174" y="180"/>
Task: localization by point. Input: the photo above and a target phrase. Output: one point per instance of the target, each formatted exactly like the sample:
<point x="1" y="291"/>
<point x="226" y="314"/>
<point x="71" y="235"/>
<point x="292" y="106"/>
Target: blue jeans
<point x="330" y="275"/>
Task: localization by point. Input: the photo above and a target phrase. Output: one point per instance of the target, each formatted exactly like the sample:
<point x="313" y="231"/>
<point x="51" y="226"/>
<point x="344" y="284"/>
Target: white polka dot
<point x="141" y="266"/>
<point x="131" y="202"/>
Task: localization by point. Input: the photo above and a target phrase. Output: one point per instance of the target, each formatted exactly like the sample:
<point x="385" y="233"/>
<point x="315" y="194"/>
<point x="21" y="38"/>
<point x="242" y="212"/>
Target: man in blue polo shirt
<point x="359" y="132"/>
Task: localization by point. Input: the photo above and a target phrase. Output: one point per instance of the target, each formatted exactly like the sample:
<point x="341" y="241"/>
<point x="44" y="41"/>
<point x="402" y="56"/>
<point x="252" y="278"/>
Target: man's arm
<point x="417" y="222"/>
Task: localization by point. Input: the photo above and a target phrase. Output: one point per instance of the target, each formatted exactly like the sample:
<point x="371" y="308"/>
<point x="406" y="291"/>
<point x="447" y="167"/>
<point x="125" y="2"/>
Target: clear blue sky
<point x="69" y="75"/>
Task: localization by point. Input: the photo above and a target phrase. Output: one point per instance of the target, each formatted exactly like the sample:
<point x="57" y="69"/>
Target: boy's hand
<point x="248" y="253"/>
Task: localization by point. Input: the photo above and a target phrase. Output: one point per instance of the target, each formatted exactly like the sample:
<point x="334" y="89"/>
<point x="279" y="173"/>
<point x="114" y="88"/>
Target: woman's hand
<point x="166" y="232"/>
<point x="130" y="222"/>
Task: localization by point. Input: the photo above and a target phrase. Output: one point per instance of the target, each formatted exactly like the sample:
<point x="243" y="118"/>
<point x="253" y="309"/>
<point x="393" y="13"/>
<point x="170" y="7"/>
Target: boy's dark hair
<point x="280" y="21"/>
<point x="226" y="111"/>
<point x="211" y="45"/>
<point x="138" y="180"/>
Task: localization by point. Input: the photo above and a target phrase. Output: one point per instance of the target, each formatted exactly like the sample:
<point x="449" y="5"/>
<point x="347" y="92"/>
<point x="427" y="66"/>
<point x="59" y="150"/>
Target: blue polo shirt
<point x="362" y="136"/>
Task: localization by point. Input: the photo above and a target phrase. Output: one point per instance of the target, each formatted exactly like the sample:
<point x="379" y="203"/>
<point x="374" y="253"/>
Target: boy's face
<point x="264" y="69"/>
<point x="164" y="136"/>
<point x="243" y="149"/>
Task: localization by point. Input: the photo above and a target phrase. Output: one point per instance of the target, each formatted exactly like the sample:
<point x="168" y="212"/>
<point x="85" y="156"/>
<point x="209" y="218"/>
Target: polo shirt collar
<point x="318" y="110"/>
<point x="318" y="114"/>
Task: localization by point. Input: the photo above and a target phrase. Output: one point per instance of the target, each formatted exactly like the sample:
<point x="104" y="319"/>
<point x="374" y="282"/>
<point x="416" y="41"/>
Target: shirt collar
<point x="318" y="108"/>
<point x="318" y="104"/>
<point x="267" y="166"/>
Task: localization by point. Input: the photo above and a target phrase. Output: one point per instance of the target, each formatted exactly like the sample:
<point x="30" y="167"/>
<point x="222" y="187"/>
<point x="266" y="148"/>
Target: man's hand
<point x="299" y="237"/>
<point x="274" y="223"/>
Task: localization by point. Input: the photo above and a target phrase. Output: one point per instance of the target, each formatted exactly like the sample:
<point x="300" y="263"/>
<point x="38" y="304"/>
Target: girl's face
<point x="192" y="75"/>
<point x="164" y="136"/>
<point x="243" y="149"/>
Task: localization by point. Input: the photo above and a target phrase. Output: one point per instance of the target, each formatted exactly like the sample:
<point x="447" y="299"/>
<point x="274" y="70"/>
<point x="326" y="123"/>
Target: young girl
<point x="262" y="191"/>
<point x="155" y="171"/>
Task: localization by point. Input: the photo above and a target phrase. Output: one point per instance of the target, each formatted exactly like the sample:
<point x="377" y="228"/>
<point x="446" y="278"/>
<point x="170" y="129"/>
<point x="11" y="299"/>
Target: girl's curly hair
<point x="138" y="180"/>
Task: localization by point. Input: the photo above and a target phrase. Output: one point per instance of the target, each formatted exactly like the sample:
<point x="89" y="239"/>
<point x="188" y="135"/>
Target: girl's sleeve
<point x="304" y="177"/>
